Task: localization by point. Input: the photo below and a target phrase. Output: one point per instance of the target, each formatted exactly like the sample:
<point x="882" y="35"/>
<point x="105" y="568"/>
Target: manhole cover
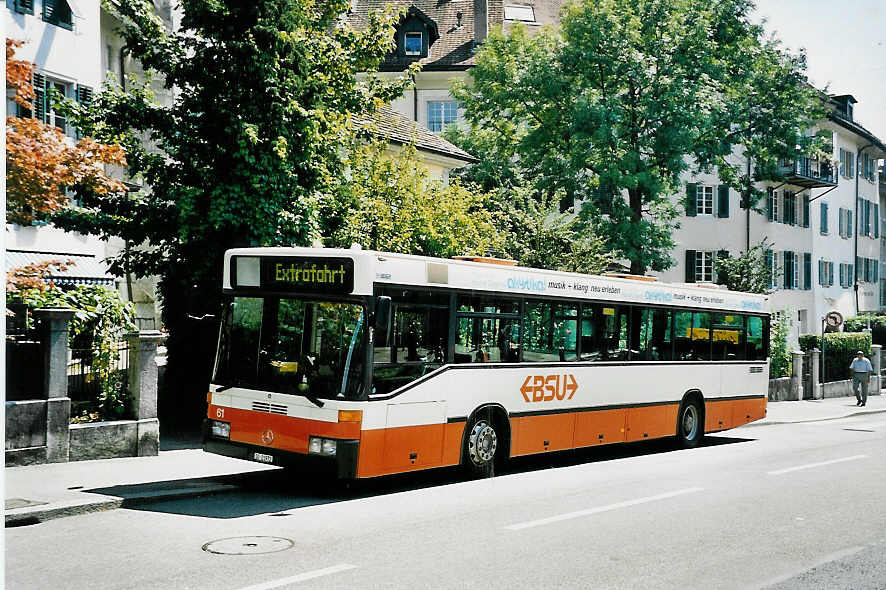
<point x="248" y="545"/>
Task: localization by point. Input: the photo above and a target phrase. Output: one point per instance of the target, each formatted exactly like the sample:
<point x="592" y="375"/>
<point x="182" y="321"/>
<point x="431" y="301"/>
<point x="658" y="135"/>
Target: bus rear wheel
<point x="690" y="423"/>
<point x="481" y="446"/>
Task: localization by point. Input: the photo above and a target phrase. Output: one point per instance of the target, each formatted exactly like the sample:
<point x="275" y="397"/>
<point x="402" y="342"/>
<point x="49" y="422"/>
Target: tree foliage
<point x="779" y="354"/>
<point x="612" y="109"/>
<point x="241" y="155"/>
<point x="538" y="235"/>
<point x="748" y="272"/>
<point x="389" y="203"/>
<point x="41" y="163"/>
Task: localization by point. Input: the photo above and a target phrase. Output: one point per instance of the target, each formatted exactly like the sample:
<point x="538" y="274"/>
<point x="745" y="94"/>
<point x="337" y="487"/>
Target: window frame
<point x="421" y="43"/>
<point x="441" y="113"/>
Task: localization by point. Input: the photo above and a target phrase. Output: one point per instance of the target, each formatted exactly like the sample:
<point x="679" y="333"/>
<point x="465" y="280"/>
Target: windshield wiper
<point x="313" y="400"/>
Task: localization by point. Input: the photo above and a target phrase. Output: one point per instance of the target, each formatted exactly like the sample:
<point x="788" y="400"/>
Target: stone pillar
<point x="796" y="376"/>
<point x="877" y="363"/>
<point x="143" y="387"/>
<point x="815" y="356"/>
<point x="54" y="325"/>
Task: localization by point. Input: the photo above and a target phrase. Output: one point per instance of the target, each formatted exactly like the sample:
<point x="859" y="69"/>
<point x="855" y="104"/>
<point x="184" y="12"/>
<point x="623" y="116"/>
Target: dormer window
<point x="412" y="43"/>
<point x="416" y="34"/>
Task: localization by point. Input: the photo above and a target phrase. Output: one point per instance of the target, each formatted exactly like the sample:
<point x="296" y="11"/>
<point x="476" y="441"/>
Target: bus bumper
<point x="343" y="465"/>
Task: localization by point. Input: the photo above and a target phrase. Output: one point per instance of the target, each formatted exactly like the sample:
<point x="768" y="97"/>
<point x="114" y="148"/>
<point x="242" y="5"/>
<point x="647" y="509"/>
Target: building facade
<point x="821" y="226"/>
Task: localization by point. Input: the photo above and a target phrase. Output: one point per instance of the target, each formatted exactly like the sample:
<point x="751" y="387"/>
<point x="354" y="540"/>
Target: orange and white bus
<point x="370" y="363"/>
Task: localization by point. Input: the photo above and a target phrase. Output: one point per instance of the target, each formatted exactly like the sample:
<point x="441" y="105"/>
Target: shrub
<point x="860" y="322"/>
<point x="779" y="356"/>
<point x="840" y="348"/>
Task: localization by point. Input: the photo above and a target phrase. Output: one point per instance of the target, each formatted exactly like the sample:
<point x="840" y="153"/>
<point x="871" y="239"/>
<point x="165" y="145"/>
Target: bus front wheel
<point x="690" y="423"/>
<point x="481" y="445"/>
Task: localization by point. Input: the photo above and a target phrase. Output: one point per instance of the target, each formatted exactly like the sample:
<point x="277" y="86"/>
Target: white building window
<point x="412" y="43"/>
<point x="521" y="13"/>
<point x="704" y="266"/>
<point x="441" y="114"/>
<point x="704" y="200"/>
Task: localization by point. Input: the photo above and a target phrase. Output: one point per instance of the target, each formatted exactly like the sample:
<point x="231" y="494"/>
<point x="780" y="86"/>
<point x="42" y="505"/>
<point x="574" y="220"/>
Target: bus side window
<point x="653" y="333"/>
<point x="486" y="340"/>
<point x="417" y="340"/>
<point x="590" y="351"/>
<point x="728" y="337"/>
<point x="614" y="333"/>
<point x="701" y="336"/>
<point x="683" y="335"/>
<point x="549" y="332"/>
<point x="756" y="339"/>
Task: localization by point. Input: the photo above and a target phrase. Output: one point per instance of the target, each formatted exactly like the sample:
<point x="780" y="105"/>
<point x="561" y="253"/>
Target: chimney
<point x="481" y="20"/>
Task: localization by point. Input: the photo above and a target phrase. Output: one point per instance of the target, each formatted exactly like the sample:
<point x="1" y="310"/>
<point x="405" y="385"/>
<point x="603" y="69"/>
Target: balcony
<point x="809" y="173"/>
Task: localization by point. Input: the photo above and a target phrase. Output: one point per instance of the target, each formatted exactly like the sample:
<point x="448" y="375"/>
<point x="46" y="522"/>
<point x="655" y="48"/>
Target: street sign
<point x="834" y="319"/>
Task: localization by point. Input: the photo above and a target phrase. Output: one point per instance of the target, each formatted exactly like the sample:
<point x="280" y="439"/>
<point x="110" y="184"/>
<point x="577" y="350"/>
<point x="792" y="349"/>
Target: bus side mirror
<point x="382" y="312"/>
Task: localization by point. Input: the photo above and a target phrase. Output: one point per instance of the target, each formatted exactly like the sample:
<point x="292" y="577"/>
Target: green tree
<point x="779" y="355"/>
<point x="265" y="92"/>
<point x="538" y="235"/>
<point x="748" y="272"/>
<point x="613" y="107"/>
<point x="390" y="204"/>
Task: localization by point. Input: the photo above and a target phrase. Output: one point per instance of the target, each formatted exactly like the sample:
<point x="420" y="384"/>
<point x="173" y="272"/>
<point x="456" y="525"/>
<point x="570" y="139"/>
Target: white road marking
<point x="301" y="577"/>
<point x="578" y="514"/>
<point x="811" y="465"/>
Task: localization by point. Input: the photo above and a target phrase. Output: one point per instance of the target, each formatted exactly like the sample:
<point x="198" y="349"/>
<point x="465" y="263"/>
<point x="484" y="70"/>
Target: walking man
<point x="861" y="370"/>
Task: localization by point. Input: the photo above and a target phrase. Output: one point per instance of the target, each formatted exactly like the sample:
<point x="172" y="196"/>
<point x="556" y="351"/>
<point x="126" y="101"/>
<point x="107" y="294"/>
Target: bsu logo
<point x="544" y="388"/>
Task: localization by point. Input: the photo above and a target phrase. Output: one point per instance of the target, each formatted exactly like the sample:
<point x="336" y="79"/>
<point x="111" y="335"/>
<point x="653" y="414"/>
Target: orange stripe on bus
<point x="409" y="448"/>
<point x="288" y="434"/>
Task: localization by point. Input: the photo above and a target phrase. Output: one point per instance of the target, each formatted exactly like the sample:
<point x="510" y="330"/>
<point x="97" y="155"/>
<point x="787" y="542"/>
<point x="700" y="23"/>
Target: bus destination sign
<point x="307" y="274"/>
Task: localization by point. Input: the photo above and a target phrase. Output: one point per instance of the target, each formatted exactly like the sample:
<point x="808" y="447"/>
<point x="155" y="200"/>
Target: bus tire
<point x="483" y="444"/>
<point x="690" y="422"/>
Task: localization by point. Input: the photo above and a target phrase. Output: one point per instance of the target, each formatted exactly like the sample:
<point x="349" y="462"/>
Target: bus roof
<point x="369" y="268"/>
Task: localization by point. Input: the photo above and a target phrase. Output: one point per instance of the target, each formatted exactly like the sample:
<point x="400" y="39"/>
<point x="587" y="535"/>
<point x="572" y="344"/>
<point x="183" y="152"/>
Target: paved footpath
<point x="42" y="492"/>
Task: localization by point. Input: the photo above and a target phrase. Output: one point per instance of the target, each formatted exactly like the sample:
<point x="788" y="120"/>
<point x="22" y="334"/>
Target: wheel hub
<point x="690" y="422"/>
<point x="482" y="443"/>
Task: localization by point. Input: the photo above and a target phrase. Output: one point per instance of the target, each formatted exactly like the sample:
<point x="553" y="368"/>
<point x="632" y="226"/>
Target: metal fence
<point x="84" y="381"/>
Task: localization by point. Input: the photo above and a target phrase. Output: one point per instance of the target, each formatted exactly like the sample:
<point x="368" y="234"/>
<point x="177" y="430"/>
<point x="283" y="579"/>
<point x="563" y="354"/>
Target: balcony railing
<point x="809" y="173"/>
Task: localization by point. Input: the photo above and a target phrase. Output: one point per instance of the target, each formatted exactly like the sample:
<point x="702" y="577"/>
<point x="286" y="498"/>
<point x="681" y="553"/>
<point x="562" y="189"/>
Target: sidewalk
<point x="36" y="493"/>
<point x="42" y="492"/>
<point x="813" y="411"/>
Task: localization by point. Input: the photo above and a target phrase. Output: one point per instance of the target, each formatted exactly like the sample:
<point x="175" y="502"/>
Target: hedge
<point x="840" y="349"/>
<point x="860" y="322"/>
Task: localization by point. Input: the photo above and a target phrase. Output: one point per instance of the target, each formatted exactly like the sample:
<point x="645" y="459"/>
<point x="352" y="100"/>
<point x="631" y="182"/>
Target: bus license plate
<point x="263" y="458"/>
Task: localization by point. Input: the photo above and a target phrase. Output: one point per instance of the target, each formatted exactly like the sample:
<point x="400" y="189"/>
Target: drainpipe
<point x="414" y="100"/>
<point x="855" y="261"/>
<point x="747" y="247"/>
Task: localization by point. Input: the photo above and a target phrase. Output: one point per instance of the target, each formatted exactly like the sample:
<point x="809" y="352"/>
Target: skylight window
<point x="517" y="12"/>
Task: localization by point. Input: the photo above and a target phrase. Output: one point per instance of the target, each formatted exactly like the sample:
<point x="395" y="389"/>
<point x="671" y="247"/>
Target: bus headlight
<point x="221" y="429"/>
<point x="321" y="446"/>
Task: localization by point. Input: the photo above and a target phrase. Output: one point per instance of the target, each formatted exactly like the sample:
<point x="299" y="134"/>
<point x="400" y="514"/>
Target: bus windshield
<point x="293" y="346"/>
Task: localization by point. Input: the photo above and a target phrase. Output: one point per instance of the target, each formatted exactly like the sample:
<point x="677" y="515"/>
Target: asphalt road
<point x="783" y="506"/>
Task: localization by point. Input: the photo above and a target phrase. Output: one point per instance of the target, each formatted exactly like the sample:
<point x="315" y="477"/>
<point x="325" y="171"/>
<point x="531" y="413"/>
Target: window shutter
<point x="788" y="270"/>
<point x="49" y="10"/>
<point x="850" y="230"/>
<point x="795" y="261"/>
<point x="84" y="94"/>
<point x="807" y="271"/>
<point x="842" y="224"/>
<point x="859" y="269"/>
<point x="722" y="255"/>
<point x="850" y="277"/>
<point x="690" y="266"/>
<point x="24" y="6"/>
<point x="842" y="275"/>
<point x="770" y="205"/>
<point x="824" y="218"/>
<point x="842" y="162"/>
<point x="40" y="97"/>
<point x="690" y="199"/>
<point x="875" y="225"/>
<point x="821" y="272"/>
<point x="805" y="210"/>
<point x="722" y="201"/>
